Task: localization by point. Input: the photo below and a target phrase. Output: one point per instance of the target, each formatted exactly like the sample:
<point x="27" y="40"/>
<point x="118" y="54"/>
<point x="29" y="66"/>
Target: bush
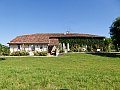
<point x="75" y="48"/>
<point x="20" y="53"/>
<point x="89" y="48"/>
<point x="5" y="53"/>
<point x="95" y="48"/>
<point x="4" y="50"/>
<point x="24" y="53"/>
<point x="17" y="53"/>
<point x="40" y="53"/>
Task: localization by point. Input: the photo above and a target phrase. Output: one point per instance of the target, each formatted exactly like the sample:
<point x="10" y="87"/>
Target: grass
<point x="71" y="71"/>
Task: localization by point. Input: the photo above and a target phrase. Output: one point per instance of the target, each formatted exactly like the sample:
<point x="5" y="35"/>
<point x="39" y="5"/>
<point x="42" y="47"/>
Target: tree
<point x="115" y="33"/>
<point x="4" y="50"/>
<point x="107" y="44"/>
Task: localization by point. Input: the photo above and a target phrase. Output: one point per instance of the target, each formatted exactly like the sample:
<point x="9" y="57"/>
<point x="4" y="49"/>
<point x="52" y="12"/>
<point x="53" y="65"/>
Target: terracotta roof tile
<point x="48" y="38"/>
<point x="54" y="41"/>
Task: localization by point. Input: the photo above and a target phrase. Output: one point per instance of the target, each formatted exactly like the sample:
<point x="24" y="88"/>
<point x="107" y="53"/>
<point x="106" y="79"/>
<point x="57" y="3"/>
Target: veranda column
<point x="23" y="47"/>
<point x="60" y="46"/>
<point x="68" y="47"/>
<point x="63" y="46"/>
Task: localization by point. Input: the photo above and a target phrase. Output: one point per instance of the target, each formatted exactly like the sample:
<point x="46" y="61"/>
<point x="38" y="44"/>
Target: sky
<point x="20" y="17"/>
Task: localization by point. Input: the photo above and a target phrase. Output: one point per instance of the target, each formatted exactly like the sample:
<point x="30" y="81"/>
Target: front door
<point x="50" y="48"/>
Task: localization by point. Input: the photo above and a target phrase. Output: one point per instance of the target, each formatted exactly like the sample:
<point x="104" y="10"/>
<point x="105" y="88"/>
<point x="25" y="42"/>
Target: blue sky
<point x="18" y="17"/>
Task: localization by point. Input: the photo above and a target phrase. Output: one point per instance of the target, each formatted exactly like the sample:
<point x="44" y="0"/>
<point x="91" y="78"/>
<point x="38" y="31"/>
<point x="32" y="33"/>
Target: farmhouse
<point x="51" y="41"/>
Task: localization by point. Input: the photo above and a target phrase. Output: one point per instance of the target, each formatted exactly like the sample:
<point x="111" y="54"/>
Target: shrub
<point x="24" y="53"/>
<point x="82" y="49"/>
<point x="75" y="48"/>
<point x="43" y="53"/>
<point x="95" y="48"/>
<point x="5" y="53"/>
<point x="89" y="48"/>
<point x="36" y="53"/>
<point x="40" y="53"/>
<point x="4" y="50"/>
<point x="19" y="53"/>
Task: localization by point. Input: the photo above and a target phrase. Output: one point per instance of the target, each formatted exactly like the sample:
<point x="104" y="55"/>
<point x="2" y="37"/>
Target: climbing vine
<point x="90" y="42"/>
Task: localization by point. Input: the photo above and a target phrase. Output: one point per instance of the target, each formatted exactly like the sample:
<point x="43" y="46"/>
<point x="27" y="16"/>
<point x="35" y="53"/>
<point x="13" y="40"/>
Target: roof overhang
<point x="28" y="43"/>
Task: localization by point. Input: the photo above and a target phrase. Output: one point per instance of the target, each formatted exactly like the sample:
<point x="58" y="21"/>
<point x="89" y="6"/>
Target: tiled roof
<point x="53" y="41"/>
<point x="48" y="38"/>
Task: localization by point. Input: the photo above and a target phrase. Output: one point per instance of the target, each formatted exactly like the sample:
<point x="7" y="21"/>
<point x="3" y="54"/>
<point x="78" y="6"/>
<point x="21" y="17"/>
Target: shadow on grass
<point x="1" y="59"/>
<point x="106" y="54"/>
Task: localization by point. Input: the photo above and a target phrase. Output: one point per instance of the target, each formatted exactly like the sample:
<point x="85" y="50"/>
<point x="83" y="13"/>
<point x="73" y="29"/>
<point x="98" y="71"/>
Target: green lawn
<point x="71" y="71"/>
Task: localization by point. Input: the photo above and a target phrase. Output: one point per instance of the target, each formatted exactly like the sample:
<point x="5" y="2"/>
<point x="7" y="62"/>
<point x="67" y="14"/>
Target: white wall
<point x="13" y="48"/>
<point x="38" y="48"/>
<point x="27" y="48"/>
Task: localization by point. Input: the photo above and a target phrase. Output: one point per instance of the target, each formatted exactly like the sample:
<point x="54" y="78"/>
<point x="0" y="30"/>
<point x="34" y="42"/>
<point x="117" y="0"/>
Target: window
<point x="18" y="46"/>
<point x="41" y="47"/>
<point x="45" y="46"/>
<point x="33" y="47"/>
<point x="37" y="46"/>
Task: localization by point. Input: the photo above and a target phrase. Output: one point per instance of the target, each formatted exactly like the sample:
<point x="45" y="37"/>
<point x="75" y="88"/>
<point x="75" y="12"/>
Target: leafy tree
<point x="115" y="33"/>
<point x="4" y="50"/>
<point x="107" y="44"/>
<point x="107" y="41"/>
